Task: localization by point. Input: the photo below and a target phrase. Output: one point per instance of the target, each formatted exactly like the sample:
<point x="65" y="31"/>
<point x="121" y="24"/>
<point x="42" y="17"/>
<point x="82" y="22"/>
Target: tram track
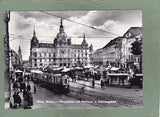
<point x="97" y="96"/>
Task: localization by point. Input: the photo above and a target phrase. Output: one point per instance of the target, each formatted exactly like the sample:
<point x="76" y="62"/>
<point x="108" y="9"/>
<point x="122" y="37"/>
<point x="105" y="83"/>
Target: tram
<point x="56" y="82"/>
<point x="19" y="75"/>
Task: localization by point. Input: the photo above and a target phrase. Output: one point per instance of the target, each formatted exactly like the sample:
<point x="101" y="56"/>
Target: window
<point x="49" y="54"/>
<point x="40" y="55"/>
<point x="45" y="54"/>
<point x="35" y="60"/>
<point x="35" y="65"/>
<point x="34" y="54"/>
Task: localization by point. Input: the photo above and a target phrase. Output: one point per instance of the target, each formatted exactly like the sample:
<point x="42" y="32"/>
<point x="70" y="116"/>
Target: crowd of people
<point x="100" y="73"/>
<point x="22" y="96"/>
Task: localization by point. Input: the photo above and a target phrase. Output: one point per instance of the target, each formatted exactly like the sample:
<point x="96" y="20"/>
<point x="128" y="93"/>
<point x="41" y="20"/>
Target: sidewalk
<point x="21" y="94"/>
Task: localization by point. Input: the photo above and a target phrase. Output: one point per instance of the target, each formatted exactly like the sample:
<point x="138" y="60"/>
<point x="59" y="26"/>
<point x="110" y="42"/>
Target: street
<point x="91" y="97"/>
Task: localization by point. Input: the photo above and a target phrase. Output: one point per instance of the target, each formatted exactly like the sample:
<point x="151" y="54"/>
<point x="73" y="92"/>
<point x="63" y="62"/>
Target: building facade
<point x="133" y="34"/>
<point x="118" y="51"/>
<point x="15" y="59"/>
<point x="98" y="57"/>
<point x="61" y="52"/>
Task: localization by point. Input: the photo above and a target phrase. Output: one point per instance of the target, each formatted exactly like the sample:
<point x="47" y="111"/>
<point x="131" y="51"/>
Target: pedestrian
<point x="19" y="101"/>
<point x="14" y="85"/>
<point x="28" y="78"/>
<point x="102" y="84"/>
<point x="21" y="87"/>
<point x="30" y="99"/>
<point x="15" y="99"/>
<point x="27" y="97"/>
<point x="35" y="89"/>
<point x="18" y="85"/>
<point x="24" y="93"/>
<point x="20" y="79"/>
<point x="28" y="87"/>
<point x="93" y="83"/>
<point x="25" y="104"/>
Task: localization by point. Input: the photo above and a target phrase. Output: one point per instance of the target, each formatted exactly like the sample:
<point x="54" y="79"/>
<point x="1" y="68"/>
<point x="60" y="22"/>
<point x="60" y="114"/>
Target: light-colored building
<point x="133" y="34"/>
<point x="112" y="52"/>
<point x="97" y="57"/>
<point x="118" y="51"/>
<point x="15" y="58"/>
<point x="59" y="53"/>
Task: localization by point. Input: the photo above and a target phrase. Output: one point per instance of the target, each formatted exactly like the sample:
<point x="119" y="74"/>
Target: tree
<point x="136" y="48"/>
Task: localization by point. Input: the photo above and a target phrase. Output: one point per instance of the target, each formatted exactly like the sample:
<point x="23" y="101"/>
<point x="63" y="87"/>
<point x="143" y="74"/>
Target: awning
<point x="88" y="66"/>
<point x="57" y="69"/>
<point x="18" y="70"/>
<point x="66" y="70"/>
<point x="114" y="69"/>
<point x="36" y="71"/>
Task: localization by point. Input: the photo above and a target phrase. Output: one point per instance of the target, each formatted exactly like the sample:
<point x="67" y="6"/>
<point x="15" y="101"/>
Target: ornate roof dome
<point x="61" y="36"/>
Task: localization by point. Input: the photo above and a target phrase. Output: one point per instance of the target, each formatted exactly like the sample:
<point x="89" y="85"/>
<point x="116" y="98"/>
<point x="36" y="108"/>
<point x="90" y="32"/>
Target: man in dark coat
<point x="102" y="84"/>
<point x="35" y="89"/>
<point x="30" y="99"/>
<point x="24" y="93"/>
<point x="93" y="83"/>
<point x="15" y="98"/>
<point x="28" y="87"/>
<point x="19" y="101"/>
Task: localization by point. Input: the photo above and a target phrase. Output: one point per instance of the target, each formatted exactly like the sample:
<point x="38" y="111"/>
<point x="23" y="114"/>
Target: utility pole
<point x="6" y="15"/>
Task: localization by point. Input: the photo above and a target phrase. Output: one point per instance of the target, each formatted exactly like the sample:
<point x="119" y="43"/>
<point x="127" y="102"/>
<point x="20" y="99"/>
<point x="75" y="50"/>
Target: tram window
<point x="54" y="80"/>
<point x="45" y="77"/>
<point x="48" y="78"/>
<point x="65" y="81"/>
<point x="61" y="81"/>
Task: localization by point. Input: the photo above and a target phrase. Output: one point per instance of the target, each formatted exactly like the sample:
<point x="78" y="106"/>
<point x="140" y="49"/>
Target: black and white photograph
<point x="73" y="59"/>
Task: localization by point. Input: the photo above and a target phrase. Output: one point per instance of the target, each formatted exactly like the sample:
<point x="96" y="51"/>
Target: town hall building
<point x="61" y="52"/>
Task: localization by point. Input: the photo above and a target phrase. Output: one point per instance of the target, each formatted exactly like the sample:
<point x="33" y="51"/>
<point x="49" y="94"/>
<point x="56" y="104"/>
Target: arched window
<point x="35" y="65"/>
<point x="34" y="54"/>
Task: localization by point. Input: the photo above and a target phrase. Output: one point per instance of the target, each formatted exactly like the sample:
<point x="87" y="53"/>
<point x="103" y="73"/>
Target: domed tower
<point x="34" y="40"/>
<point x="61" y="38"/>
<point x="84" y="43"/>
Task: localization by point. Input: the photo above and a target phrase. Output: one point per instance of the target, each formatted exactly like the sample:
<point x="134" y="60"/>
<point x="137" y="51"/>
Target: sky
<point x="22" y="24"/>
